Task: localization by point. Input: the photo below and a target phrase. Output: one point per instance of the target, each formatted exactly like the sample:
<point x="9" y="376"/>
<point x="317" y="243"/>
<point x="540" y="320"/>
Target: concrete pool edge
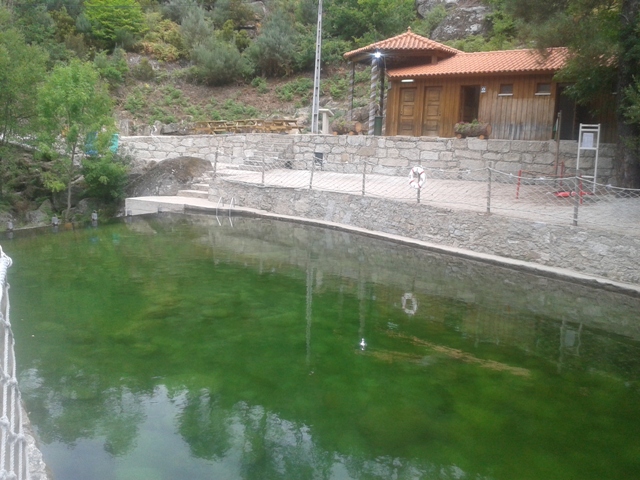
<point x="146" y="205"/>
<point x="38" y="469"/>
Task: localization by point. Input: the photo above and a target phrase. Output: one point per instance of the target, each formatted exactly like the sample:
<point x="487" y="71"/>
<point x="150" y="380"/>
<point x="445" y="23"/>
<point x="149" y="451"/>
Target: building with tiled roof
<point x="483" y="63"/>
<point x="407" y="44"/>
<point x="432" y="87"/>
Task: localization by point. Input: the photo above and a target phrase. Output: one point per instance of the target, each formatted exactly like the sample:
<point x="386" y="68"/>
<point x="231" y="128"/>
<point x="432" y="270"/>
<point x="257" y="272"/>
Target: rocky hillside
<point x="163" y="95"/>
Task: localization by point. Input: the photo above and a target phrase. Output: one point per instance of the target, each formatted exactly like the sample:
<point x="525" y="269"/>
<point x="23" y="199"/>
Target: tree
<point x="74" y="110"/>
<point x="106" y="176"/>
<point x="628" y="154"/>
<point x="33" y="21"/>
<point x="273" y="52"/>
<point x="113" y="19"/>
<point x="218" y="62"/>
<point x="22" y="67"/>
<point x="236" y="10"/>
<point x="603" y="37"/>
<point x="195" y="27"/>
<point x="368" y="20"/>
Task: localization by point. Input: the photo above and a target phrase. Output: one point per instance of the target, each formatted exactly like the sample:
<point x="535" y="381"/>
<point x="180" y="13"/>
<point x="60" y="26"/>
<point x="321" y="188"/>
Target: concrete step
<point x="200" y="186"/>
<point x="193" y="193"/>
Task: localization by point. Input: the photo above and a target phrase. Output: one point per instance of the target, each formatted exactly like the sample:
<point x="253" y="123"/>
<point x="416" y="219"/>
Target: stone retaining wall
<point x="389" y="155"/>
<point x="416" y="270"/>
<point x="590" y="251"/>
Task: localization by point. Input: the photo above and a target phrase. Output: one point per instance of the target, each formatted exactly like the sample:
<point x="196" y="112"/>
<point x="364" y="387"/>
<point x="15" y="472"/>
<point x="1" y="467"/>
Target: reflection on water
<point x="176" y="347"/>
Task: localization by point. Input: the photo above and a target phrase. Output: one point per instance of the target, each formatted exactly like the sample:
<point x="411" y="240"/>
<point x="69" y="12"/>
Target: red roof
<point x="407" y="41"/>
<point x="502" y="61"/>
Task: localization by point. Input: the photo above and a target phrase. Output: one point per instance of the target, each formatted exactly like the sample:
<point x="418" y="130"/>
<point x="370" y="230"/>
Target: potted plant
<point x="472" y="129"/>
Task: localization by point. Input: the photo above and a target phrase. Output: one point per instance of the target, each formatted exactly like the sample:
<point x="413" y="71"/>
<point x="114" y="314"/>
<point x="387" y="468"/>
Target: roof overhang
<point x="503" y="62"/>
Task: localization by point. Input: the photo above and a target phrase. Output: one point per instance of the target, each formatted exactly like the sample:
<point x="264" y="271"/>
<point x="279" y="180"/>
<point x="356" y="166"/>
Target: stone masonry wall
<point x="389" y="155"/>
<point x="589" y="251"/>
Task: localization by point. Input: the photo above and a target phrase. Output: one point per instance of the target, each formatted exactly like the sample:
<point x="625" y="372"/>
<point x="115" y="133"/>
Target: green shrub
<point x="159" y="114"/>
<point x="77" y="44"/>
<point x="472" y="43"/>
<point x="235" y="10"/>
<point x="363" y="76"/>
<point x="178" y="10"/>
<point x="260" y="84"/>
<point x="218" y="63"/>
<point x="273" y="53"/>
<point x="305" y="53"/>
<point x="337" y="87"/>
<point x="65" y="25"/>
<point x="230" y="110"/>
<point x="125" y="39"/>
<point x="369" y="20"/>
<point x="173" y="96"/>
<point x="299" y="88"/>
<point x="112" y="68"/>
<point x="105" y="177"/>
<point x="227" y="32"/>
<point x="197" y="112"/>
<point x="108" y="17"/>
<point x="164" y="40"/>
<point x="144" y="70"/>
<point x="242" y="40"/>
<point x="237" y="111"/>
<point x="161" y="51"/>
<point x="195" y="28"/>
<point x="307" y="12"/>
<point x="135" y="102"/>
<point x="333" y="49"/>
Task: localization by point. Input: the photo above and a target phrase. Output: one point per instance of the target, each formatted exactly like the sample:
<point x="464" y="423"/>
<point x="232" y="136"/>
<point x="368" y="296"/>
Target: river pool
<point x="189" y="347"/>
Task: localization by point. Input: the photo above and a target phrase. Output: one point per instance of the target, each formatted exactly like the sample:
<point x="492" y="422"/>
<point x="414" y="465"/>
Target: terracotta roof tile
<point x="407" y="41"/>
<point x="503" y="61"/>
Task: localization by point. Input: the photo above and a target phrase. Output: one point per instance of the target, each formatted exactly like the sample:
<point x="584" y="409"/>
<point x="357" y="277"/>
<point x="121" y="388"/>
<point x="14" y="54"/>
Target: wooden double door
<point x="420" y="115"/>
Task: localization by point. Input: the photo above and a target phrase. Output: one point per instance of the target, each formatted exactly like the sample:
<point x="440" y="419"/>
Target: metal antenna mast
<point x="315" y="108"/>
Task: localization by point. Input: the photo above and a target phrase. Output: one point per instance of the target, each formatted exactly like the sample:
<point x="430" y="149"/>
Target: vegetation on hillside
<point x="152" y="55"/>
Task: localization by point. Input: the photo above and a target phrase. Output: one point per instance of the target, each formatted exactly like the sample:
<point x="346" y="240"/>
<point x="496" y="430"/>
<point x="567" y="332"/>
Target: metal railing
<point x="566" y="200"/>
<point x="13" y="443"/>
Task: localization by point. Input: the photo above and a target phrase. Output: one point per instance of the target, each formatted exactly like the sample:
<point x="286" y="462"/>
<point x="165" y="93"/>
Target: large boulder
<point x="78" y="187"/>
<point x="424" y="7"/>
<point x="461" y="23"/>
<point x="41" y="216"/>
<point x="168" y="176"/>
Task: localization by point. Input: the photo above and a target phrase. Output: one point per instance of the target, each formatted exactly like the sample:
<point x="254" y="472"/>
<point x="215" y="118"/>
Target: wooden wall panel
<point x="523" y="115"/>
<point x="391" y="122"/>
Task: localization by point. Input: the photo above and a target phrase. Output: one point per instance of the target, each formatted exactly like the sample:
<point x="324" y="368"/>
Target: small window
<point x="543" y="89"/>
<point x="506" y="89"/>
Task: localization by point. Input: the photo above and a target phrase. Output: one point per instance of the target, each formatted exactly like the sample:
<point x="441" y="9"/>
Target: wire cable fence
<point x="13" y="442"/>
<point x="565" y="200"/>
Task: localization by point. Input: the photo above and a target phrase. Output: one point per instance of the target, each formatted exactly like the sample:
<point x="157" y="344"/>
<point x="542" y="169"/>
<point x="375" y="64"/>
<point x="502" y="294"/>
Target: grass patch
<point x="231" y="110"/>
<point x="300" y="88"/>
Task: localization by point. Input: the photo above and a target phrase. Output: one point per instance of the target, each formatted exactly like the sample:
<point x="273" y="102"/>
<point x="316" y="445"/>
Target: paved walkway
<point x="543" y="201"/>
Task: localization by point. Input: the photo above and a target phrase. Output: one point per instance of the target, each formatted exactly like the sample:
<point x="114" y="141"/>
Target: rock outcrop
<point x="464" y="18"/>
<point x="168" y="176"/>
<point x="461" y="23"/>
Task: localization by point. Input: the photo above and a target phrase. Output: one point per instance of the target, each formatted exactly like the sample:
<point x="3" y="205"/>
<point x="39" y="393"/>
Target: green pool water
<point x="183" y="347"/>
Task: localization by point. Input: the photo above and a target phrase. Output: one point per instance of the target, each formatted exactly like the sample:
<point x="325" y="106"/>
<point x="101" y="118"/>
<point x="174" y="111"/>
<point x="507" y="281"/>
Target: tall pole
<point x="315" y="108"/>
<point x="352" y="85"/>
